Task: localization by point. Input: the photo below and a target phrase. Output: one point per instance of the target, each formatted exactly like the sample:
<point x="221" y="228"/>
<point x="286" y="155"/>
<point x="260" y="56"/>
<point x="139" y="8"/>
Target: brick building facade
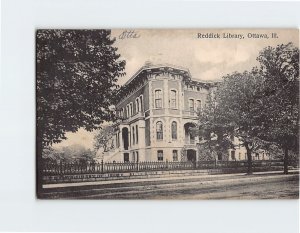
<point x="158" y="108"/>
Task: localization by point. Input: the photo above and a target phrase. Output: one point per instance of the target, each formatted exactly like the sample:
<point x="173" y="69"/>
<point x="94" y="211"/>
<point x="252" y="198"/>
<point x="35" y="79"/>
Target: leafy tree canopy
<point x="76" y="74"/>
<point x="280" y="69"/>
<point x="260" y="107"/>
<point x="213" y="131"/>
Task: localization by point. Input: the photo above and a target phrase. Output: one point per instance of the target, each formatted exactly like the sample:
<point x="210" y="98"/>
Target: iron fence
<point x="62" y="168"/>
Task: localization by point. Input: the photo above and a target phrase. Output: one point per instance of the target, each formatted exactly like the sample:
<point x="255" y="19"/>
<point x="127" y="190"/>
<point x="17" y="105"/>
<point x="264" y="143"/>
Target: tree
<point x="280" y="69"/>
<point x="76" y="74"/>
<point x="70" y="153"/>
<point x="238" y="110"/>
<point x="260" y="107"/>
<point x="50" y="154"/>
<point x="76" y="152"/>
<point x="213" y="131"/>
<point x="103" y="138"/>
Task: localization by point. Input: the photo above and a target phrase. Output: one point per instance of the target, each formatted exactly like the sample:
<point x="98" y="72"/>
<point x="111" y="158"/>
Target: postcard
<point x="170" y="114"/>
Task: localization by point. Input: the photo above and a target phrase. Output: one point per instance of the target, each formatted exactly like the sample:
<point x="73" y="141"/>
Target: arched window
<point x="131" y="109"/>
<point x="141" y="103"/>
<point x="158" y="99"/>
<point x="173" y="99"/>
<point x="159" y="130"/>
<point x="137" y="105"/>
<point x="127" y="111"/>
<point x="174" y="130"/>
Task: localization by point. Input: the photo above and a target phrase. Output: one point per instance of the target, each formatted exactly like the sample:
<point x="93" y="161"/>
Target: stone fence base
<point x="54" y="179"/>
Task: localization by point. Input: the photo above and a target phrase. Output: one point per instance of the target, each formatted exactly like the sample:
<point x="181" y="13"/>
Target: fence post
<point x="137" y="165"/>
<point x="216" y="163"/>
<point x="102" y="166"/>
<point x="167" y="164"/>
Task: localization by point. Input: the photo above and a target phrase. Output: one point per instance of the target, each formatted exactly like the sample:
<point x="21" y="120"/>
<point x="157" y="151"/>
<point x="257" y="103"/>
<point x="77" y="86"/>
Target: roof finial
<point x="148" y="63"/>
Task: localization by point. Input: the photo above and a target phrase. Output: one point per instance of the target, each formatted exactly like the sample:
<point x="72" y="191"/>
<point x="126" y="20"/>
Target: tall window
<point x="137" y="134"/>
<point x="160" y="155"/>
<point x="127" y="111"/>
<point x="191" y="105"/>
<point x="198" y="105"/>
<point x="131" y="109"/>
<point x="133" y="135"/>
<point x="175" y="155"/>
<point x="137" y="105"/>
<point x="137" y="156"/>
<point x="159" y="130"/>
<point x="158" y="99"/>
<point x="173" y="99"/>
<point x="174" y="130"/>
<point x="141" y="103"/>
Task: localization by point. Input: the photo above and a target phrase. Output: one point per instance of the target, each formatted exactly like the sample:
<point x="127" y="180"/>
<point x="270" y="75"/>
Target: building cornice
<point x="148" y="70"/>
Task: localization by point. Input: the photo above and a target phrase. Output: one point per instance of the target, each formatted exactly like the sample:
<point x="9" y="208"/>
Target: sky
<point x="206" y="58"/>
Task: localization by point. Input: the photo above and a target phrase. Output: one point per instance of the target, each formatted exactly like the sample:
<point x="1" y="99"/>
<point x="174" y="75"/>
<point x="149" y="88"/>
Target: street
<point x="272" y="185"/>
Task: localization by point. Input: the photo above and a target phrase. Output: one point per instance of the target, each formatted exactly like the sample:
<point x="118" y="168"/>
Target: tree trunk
<point x="249" y="158"/>
<point x="286" y="161"/>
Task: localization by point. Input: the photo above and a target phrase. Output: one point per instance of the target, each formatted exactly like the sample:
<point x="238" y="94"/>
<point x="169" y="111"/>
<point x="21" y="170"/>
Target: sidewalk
<point x="198" y="178"/>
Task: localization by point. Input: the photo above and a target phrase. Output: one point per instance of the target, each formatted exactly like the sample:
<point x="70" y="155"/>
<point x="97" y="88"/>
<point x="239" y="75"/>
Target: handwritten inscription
<point x="129" y="34"/>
